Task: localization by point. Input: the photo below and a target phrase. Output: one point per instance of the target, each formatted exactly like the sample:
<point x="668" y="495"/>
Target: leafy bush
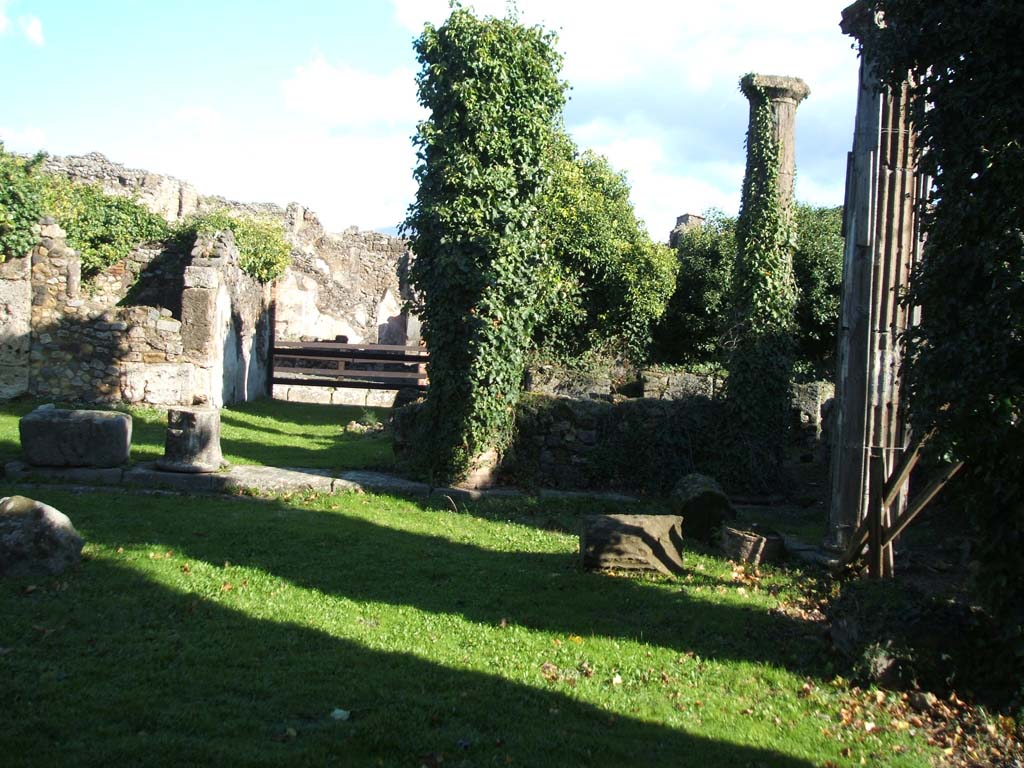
<point x="21" y="204"/>
<point x="263" y="252"/>
<point x="102" y="228"/>
<point x="492" y="89"/>
<point x="609" y="281"/>
<point x="693" y="329"/>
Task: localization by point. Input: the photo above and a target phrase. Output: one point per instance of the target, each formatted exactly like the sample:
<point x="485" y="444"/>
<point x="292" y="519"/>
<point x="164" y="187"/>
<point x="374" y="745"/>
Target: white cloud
<point x="25" y="140"/>
<point x="5" y="22"/>
<point x="32" y="28"/>
<point x="347" y="96"/>
<point x="655" y="89"/>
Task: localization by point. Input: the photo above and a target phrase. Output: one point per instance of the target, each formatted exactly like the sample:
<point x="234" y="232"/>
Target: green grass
<point x="268" y="432"/>
<point x="221" y="631"/>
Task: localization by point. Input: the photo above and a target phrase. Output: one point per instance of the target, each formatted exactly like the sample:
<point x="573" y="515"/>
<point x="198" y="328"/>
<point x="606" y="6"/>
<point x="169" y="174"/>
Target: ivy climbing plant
<point x="21" y="204"/>
<point x="764" y="292"/>
<point x="495" y="101"/>
<point x="967" y="354"/>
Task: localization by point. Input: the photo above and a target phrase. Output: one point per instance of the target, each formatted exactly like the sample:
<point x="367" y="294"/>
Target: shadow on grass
<point x="354" y="558"/>
<point x="165" y="678"/>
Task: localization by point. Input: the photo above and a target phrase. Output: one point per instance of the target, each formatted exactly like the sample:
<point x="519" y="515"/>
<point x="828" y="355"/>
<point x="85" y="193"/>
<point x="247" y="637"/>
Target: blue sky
<point x="315" y="101"/>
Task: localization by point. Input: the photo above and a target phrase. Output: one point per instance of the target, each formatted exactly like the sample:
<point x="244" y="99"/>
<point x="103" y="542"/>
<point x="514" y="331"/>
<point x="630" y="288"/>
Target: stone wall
<point x="15" y="325"/>
<point x="347" y="284"/>
<point x="96" y="345"/>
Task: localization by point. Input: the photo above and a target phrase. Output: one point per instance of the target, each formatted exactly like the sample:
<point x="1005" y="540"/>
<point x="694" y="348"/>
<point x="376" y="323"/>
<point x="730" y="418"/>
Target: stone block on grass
<point x="56" y="437"/>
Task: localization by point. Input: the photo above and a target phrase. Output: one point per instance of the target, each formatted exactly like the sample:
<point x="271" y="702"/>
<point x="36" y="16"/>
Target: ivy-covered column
<point x="763" y="286"/>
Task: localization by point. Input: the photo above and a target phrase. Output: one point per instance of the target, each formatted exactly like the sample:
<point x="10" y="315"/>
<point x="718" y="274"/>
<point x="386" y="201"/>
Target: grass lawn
<point x="226" y="631"/>
<point x="269" y="432"/>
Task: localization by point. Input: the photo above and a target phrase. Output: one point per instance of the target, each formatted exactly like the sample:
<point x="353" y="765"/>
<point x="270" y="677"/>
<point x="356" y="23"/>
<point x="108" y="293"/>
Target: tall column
<point x="784" y="94"/>
<point x="883" y="192"/>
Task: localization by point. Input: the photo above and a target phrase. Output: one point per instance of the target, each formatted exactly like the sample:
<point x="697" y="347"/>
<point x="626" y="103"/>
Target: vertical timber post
<point x="883" y="243"/>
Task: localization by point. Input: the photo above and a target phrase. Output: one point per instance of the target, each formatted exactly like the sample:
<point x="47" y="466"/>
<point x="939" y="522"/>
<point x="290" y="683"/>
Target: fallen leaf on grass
<point x="5" y="651"/>
<point x="617" y="680"/>
<point x="550" y="671"/>
<point x="575" y="639"/>
<point x="227" y="586"/>
<point x="340" y="714"/>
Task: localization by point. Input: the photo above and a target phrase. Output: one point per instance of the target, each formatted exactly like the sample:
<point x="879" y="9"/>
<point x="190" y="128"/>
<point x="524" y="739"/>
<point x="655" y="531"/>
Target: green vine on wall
<point x="763" y="291"/>
<point x="21" y="204"/>
<point x="495" y="100"/>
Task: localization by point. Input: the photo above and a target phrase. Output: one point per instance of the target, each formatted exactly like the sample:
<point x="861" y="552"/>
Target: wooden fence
<point x="363" y="366"/>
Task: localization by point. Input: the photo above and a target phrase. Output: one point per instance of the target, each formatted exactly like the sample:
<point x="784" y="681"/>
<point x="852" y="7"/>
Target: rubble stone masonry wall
<point x="205" y="338"/>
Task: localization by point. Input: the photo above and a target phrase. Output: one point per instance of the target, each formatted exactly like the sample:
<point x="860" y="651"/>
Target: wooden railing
<point x="364" y="366"/>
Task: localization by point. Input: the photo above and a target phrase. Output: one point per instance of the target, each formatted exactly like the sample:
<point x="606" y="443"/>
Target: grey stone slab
<point x="277" y="479"/>
<point x="56" y="437"/>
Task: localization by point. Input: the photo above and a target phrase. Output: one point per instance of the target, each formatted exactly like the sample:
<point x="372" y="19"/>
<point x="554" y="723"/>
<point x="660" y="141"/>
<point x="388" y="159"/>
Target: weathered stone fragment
<point x="632" y="543"/>
<point x="35" y="538"/>
<point x="55" y="437"/>
<point x="193" y="440"/>
<point x="752" y="544"/>
<point x="703" y="505"/>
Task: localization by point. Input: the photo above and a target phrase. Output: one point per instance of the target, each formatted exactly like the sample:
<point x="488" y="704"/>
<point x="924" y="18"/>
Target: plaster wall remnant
<point x="784" y="95"/>
<point x="884" y="192"/>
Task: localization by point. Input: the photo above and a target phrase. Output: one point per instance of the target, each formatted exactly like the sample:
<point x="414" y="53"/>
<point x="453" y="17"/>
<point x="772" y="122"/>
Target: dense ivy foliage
<point x="764" y="294"/>
<point x="495" y="99"/>
<point x="609" y="280"/>
<point x="263" y="252"/>
<point x="967" y="371"/>
<point x="21" y="204"/>
<point x="102" y="228"/>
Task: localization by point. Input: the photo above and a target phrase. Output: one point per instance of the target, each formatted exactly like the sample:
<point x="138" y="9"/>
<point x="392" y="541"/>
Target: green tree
<point x="21" y="204"/>
<point x="695" y="325"/>
<point x="495" y="101"/>
<point x="818" y="270"/>
<point x="609" y="281"/>
<point x="967" y="367"/>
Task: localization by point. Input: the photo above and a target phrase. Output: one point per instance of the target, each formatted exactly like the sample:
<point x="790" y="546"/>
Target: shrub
<point x="102" y="228"/>
<point x="263" y="252"/>
<point x="21" y="204"/>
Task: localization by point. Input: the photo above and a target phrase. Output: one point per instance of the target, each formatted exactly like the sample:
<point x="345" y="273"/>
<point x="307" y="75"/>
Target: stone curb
<point x="259" y="479"/>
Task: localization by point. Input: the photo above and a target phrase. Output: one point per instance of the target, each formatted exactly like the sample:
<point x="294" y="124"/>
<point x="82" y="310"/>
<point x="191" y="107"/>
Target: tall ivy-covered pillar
<point x="763" y="286"/>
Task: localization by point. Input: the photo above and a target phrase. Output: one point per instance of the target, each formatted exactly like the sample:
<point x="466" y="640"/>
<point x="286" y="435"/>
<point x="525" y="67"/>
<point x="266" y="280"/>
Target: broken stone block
<point x="632" y="543"/>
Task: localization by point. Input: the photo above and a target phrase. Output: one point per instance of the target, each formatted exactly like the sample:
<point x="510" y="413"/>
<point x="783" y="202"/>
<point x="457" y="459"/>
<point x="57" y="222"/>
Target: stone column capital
<point x="775" y="87"/>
